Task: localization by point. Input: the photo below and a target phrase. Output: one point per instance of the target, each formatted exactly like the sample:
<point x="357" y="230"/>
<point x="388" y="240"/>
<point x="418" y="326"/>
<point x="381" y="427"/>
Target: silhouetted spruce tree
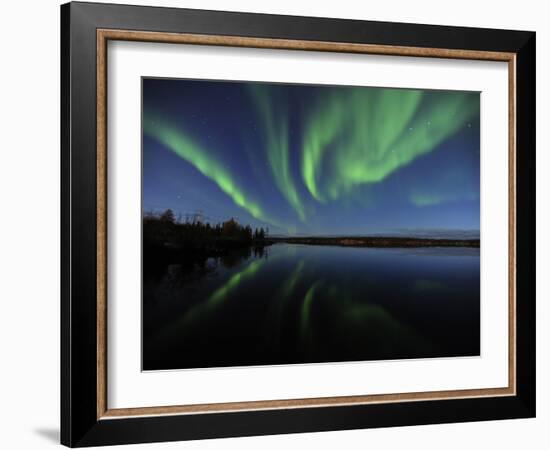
<point x="168" y="216"/>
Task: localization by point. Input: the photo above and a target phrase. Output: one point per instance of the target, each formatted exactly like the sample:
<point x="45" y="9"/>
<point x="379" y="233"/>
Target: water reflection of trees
<point x="176" y="252"/>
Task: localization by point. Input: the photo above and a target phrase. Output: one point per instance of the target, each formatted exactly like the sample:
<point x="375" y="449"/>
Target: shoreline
<point x="377" y="241"/>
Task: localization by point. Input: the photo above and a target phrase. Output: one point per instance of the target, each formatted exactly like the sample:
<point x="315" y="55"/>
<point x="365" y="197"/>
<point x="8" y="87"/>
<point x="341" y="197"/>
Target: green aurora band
<point x="426" y="199"/>
<point x="372" y="132"/>
<point x="306" y="308"/>
<point x="196" y="315"/>
<point x="186" y="148"/>
<point x="290" y="284"/>
<point x="235" y="280"/>
<point x="277" y="145"/>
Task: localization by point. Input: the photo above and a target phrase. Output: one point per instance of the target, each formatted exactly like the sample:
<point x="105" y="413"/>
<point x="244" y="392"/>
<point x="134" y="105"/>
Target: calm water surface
<point x="303" y="304"/>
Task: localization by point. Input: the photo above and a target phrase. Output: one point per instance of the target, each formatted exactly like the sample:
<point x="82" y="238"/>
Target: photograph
<point x="302" y="223"/>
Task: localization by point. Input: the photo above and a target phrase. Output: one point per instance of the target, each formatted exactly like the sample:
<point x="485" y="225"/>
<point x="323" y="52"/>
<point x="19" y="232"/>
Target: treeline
<point x="164" y="230"/>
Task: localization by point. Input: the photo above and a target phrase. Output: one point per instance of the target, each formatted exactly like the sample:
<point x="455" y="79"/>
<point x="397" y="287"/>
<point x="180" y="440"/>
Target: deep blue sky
<point x="321" y="160"/>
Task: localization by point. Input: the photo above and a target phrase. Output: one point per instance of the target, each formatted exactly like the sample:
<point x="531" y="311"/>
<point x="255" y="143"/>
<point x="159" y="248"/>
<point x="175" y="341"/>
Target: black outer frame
<point x="79" y="423"/>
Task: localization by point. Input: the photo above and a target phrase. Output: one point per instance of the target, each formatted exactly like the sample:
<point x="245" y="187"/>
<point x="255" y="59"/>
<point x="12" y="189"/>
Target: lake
<point x="295" y="304"/>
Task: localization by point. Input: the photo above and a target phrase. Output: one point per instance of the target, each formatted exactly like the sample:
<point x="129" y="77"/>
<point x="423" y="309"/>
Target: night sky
<point x="315" y="160"/>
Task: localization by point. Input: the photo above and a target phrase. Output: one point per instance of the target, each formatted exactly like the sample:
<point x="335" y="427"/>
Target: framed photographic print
<point x="276" y="224"/>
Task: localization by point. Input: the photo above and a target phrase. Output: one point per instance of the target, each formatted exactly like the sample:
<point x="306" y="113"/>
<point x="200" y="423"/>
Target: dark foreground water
<point x="305" y="304"/>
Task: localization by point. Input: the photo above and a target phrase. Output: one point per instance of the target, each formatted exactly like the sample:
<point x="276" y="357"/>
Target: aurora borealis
<point x="319" y="160"/>
<point x="307" y="160"/>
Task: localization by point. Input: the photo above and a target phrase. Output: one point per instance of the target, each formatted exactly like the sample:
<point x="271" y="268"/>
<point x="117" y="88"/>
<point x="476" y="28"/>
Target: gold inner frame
<point x="103" y="36"/>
